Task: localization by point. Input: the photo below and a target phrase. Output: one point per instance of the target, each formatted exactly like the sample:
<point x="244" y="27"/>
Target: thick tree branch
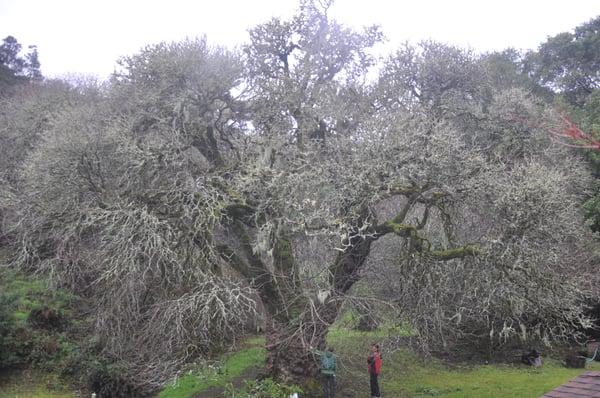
<point x="422" y="245"/>
<point x="253" y="269"/>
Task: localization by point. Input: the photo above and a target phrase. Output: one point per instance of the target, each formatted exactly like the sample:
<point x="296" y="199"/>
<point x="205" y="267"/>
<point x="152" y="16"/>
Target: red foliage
<point x="570" y="135"/>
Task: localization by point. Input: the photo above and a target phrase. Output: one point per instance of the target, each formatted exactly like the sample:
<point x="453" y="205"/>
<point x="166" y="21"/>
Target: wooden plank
<point x="558" y="394"/>
<point x="579" y="392"/>
<point x="578" y="384"/>
<point x="584" y="386"/>
<point x="590" y="387"/>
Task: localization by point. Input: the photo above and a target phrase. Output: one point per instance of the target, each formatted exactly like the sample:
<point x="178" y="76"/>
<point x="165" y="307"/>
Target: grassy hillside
<point x="36" y="325"/>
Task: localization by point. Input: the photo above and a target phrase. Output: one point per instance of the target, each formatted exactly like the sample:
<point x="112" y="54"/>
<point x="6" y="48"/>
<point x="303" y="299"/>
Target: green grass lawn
<point x="407" y="376"/>
<point x="404" y="374"/>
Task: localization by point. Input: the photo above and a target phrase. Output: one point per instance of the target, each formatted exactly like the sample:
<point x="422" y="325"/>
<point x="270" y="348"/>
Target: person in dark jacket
<point x="328" y="368"/>
<point x="374" y="364"/>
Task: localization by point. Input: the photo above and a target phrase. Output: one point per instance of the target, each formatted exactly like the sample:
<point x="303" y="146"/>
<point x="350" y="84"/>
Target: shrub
<point x="106" y="381"/>
<point x="46" y="318"/>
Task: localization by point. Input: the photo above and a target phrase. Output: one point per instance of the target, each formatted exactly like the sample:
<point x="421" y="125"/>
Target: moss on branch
<point x="398" y="228"/>
<point x="421" y="244"/>
<point x="458" y="252"/>
<point x="403" y="190"/>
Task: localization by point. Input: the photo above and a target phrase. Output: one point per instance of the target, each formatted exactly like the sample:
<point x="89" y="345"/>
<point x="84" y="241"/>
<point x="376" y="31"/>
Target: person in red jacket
<point x="374" y="363"/>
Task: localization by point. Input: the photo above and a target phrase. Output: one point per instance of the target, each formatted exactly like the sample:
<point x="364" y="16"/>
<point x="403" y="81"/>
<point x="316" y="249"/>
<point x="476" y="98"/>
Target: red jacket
<point x="374" y="362"/>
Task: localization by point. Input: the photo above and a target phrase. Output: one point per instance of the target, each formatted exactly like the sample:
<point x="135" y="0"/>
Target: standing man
<point x="328" y="368"/>
<point x="374" y="363"/>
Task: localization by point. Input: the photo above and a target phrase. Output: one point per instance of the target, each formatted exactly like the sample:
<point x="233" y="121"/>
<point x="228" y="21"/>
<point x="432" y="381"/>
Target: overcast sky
<point x="87" y="36"/>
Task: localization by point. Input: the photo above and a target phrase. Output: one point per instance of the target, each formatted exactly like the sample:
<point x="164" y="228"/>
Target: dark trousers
<point x="374" y="385"/>
<point x="328" y="386"/>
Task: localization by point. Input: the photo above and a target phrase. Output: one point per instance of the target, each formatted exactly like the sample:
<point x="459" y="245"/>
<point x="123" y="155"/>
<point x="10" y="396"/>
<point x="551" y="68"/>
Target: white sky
<point x="87" y="36"/>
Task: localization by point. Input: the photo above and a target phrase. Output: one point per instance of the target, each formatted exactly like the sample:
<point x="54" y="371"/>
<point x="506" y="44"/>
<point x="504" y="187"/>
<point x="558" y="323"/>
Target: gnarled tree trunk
<point x="291" y="334"/>
<point x="289" y="342"/>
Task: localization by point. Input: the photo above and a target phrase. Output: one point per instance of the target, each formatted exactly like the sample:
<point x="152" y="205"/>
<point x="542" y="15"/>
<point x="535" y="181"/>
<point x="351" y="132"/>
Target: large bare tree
<point x="202" y="181"/>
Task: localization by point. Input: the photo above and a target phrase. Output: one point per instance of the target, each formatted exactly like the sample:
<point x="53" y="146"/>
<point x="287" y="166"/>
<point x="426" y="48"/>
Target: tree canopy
<point x="15" y="67"/>
<point x="569" y="62"/>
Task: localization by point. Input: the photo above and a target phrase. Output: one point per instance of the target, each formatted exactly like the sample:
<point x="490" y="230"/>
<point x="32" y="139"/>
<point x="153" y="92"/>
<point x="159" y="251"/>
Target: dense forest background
<point x="201" y="194"/>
